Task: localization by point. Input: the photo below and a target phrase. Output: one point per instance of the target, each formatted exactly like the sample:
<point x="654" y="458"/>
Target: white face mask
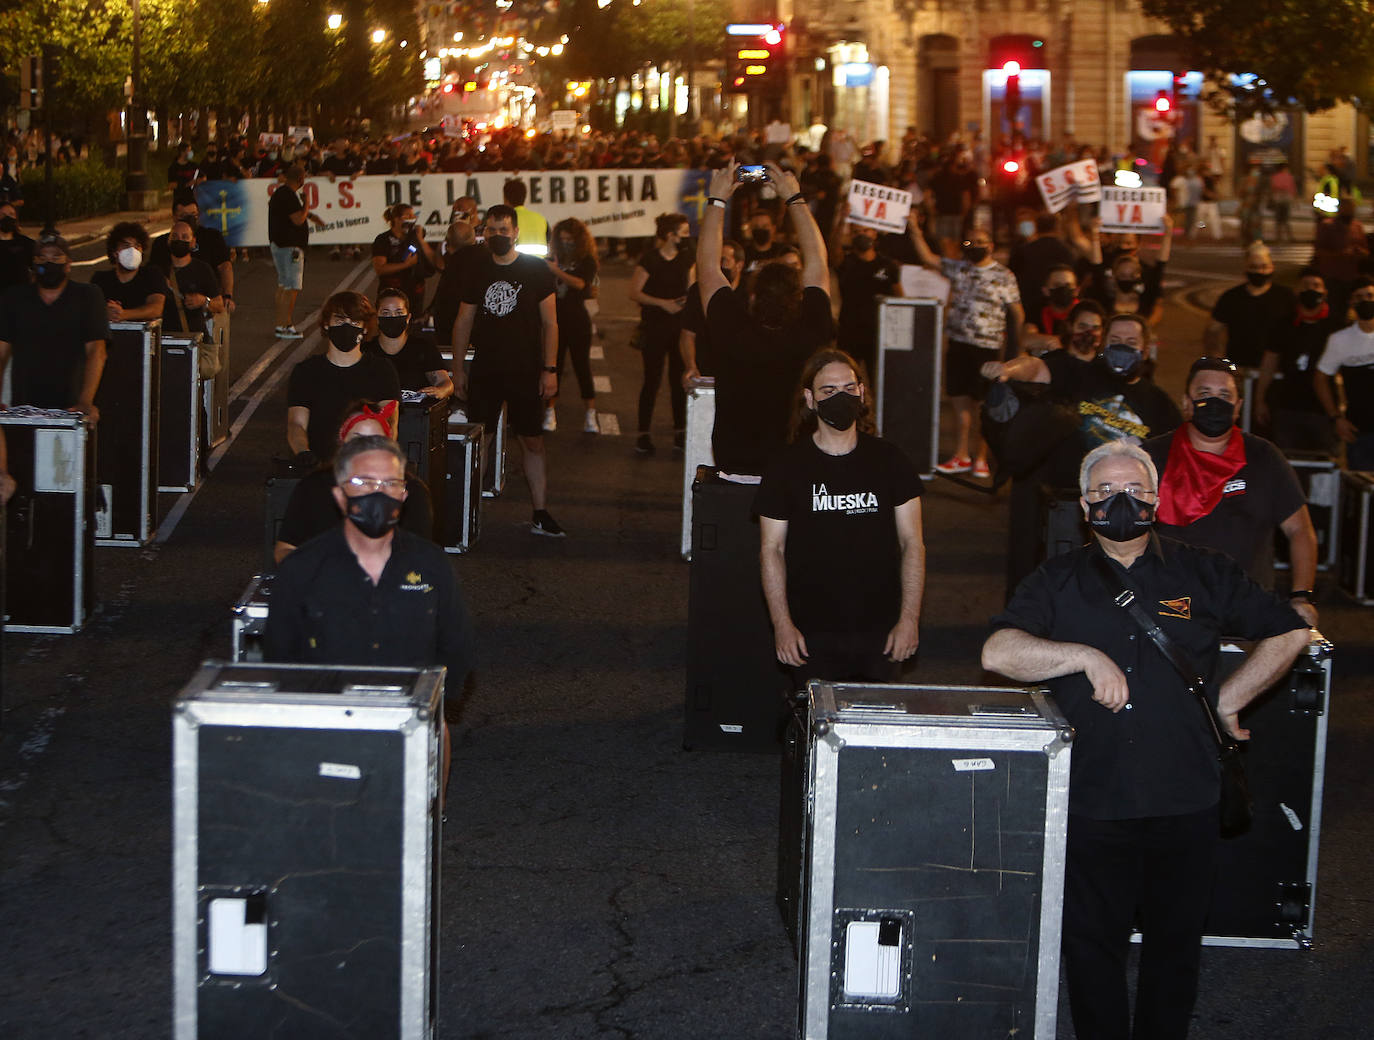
<point x="129" y="258"/>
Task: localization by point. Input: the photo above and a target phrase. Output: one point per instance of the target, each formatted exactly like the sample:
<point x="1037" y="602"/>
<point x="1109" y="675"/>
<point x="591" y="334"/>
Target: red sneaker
<point x="955" y="464"/>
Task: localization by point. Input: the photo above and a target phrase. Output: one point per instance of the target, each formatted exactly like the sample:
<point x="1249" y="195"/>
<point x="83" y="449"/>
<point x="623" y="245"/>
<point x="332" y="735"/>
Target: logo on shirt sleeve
<point x="1179" y="608"/>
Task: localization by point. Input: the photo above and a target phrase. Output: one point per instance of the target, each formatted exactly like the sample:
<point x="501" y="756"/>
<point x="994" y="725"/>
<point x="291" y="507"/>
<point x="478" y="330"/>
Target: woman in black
<point x="401" y="256"/>
<point x="659" y="286"/>
<point x="573" y="264"/>
<point x="412" y="353"/>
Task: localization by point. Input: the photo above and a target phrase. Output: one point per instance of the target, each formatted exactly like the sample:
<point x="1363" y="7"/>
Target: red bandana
<point x="1319" y="316"/>
<point x="386" y="417"/>
<point x="1196" y="479"/>
<point x="1049" y="317"/>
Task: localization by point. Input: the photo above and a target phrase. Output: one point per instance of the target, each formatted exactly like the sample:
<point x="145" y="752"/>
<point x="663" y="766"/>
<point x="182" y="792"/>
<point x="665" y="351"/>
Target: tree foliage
<point x="1312" y="55"/>
<point x="622" y="38"/>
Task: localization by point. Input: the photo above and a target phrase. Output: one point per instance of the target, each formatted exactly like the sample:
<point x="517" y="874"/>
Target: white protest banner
<point x="1064" y="184"/>
<point x="1133" y="209"/>
<point x="266" y="140"/>
<point x="612" y="203"/>
<point x="878" y="206"/>
<point x="564" y="119"/>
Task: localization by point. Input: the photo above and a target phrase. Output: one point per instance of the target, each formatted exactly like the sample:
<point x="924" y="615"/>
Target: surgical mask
<point x="761" y="236"/>
<point x="1026" y="228"/>
<point x="375" y="514"/>
<point x="499" y="245"/>
<point x="129" y="258"/>
<point x="1213" y="416"/>
<point x="840" y="411"/>
<point x="393" y="326"/>
<point x="179" y="247"/>
<point x="344" y="337"/>
<point x="975" y="254"/>
<point x="861" y="243"/>
<point x="1310" y="299"/>
<point x="1258" y="278"/>
<point x="49" y="275"/>
<point x="1121" y="517"/>
<point x="1364" y="310"/>
<point x="9" y="225"/>
<point x="1062" y="296"/>
<point x="1122" y="358"/>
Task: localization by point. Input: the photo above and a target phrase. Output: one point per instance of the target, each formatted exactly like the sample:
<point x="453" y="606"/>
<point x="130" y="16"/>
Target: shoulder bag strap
<point x="1125" y="598"/>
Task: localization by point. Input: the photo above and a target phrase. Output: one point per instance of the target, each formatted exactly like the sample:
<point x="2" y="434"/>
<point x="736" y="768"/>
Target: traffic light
<point x="1163" y="104"/>
<point x="1012" y="97"/>
<point x="755" y="58"/>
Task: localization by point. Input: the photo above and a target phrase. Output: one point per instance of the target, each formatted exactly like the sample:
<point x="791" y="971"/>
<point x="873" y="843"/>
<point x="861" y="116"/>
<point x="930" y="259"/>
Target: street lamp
<point x="378" y="35"/>
<point x="334" y="20"/>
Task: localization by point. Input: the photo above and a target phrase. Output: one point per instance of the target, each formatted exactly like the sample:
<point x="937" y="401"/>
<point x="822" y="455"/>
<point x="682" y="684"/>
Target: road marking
<point x="601" y="384"/>
<point x="303" y="350"/>
<point x="608" y="423"/>
<point x="597" y="353"/>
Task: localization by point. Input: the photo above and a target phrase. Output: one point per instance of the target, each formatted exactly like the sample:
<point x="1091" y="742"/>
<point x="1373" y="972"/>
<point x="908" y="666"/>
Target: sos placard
<point x="1077" y="181"/>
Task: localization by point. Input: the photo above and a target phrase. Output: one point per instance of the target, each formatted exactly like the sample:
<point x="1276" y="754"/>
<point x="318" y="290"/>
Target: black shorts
<point x="962" y="364"/>
<point x="518" y="391"/>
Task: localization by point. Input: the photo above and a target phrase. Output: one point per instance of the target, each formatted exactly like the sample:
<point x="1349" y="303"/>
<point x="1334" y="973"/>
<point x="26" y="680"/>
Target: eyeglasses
<point x="1105" y="491"/>
<point x="389" y="485"/>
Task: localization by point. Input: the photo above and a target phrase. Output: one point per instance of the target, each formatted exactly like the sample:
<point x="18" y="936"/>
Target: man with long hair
<point x="841" y="545"/>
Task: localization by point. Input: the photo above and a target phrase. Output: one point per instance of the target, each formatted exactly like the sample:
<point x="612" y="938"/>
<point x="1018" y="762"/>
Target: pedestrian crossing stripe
<point x="597" y="352"/>
<point x="608" y="423"/>
<point x="602" y="384"/>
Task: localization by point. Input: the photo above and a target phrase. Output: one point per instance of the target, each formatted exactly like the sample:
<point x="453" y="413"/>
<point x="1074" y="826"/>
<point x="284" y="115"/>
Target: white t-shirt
<point x="1347" y="348"/>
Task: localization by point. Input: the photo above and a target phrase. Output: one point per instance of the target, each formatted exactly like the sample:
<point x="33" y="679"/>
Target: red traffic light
<point x="1011" y="68"/>
<point x="1162" y="103"/>
<point x="1011" y="166"/>
<point x="448" y="88"/>
<point x="772" y="37"/>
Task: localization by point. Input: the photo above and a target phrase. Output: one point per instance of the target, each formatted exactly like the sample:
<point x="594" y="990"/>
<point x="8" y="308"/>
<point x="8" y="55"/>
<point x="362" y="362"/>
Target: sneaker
<point x="550" y="420"/>
<point x="591" y="425"/>
<point x="955" y="464"/>
<point x="290" y="332"/>
<point x="542" y="523"/>
<point x="679" y="444"/>
<point x="643" y="445"/>
<point x="981" y="471"/>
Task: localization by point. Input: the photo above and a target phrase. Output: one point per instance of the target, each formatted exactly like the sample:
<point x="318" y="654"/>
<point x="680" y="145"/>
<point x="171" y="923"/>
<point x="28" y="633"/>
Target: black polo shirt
<point x="48" y="341"/>
<point x="326" y="610"/>
<point x="147" y="281"/>
<point x="1155" y="757"/>
<point x="311" y="509"/>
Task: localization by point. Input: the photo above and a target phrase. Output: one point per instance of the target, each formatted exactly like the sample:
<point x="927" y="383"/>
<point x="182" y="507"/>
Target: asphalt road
<point x="598" y="881"/>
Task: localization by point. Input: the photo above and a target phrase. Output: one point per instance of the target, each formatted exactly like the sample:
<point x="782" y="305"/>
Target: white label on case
<point x="972" y="765"/>
<point x="340" y="771"/>
<point x="54" y="461"/>
<point x="725" y="728"/>
<point x="1293" y="820"/>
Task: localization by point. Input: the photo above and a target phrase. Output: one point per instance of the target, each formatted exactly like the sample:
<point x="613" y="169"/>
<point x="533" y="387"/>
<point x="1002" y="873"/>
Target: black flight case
<point x="180" y="403"/>
<point x="422" y="431"/>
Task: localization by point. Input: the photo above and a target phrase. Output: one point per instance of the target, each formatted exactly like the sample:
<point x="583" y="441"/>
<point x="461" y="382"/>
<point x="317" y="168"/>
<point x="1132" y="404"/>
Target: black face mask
<point x="49" y="275"/>
<point x="1085" y="341"/>
<point x="1121" y="517"/>
<point x="393" y="326"/>
<point x="179" y="248"/>
<point x="344" y="337"/>
<point x="1213" y="416"/>
<point x="1364" y="310"/>
<point x="9" y="225"/>
<point x="840" y="411"/>
<point x="1258" y="278"/>
<point x="1062" y="296"/>
<point x="975" y="254"/>
<point x="1311" y="299"/>
<point x="375" y="514"/>
<point x="499" y="245"/>
<point x="1134" y="286"/>
<point x="1122" y="359"/>
<point x="861" y="243"/>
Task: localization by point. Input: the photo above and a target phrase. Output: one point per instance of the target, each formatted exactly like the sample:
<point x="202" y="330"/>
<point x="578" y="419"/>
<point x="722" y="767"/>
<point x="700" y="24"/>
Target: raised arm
<point x="815" y="264"/>
<point x="710" y="279"/>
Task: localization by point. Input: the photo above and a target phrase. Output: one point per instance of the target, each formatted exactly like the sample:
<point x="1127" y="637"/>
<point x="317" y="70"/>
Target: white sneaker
<point x="591" y="425"/>
<point x="550" y="420"/>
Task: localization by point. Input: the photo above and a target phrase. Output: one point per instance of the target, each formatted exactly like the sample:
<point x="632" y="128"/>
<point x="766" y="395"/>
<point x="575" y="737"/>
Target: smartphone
<point x="753" y="172"/>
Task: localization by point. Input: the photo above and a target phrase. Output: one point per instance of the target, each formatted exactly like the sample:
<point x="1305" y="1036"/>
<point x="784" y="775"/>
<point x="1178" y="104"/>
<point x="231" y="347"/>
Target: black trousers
<point x="1159" y="871"/>
<point x="576" y="343"/>
<point x="660" y="343"/>
<point x="845" y="657"/>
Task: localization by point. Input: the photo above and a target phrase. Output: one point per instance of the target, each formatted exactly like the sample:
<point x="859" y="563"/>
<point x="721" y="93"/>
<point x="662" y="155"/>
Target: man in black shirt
<point x="323" y="385"/>
<point x="365" y="592"/>
<point x="764" y="339"/>
<point x="289" y="234"/>
<point x="1144" y="782"/>
<point x="208" y="245"/>
<point x="762" y="244"/>
<point x="700" y="354"/>
<point x="1289" y="405"/>
<point x="837" y="487"/>
<point x="16" y="249"/>
<point x="1033" y="260"/>
<point x="56" y="330"/>
<point x="133" y="292"/>
<point x="1223" y="489"/>
<point x="192" y="288"/>
<point x="509" y="315"/>
<point x="1247" y="317"/>
<point x="863" y="277"/>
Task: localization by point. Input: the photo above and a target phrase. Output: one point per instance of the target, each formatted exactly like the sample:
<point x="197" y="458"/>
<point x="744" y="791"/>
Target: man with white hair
<point x="1248" y="318"/>
<point x="1145" y="781"/>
